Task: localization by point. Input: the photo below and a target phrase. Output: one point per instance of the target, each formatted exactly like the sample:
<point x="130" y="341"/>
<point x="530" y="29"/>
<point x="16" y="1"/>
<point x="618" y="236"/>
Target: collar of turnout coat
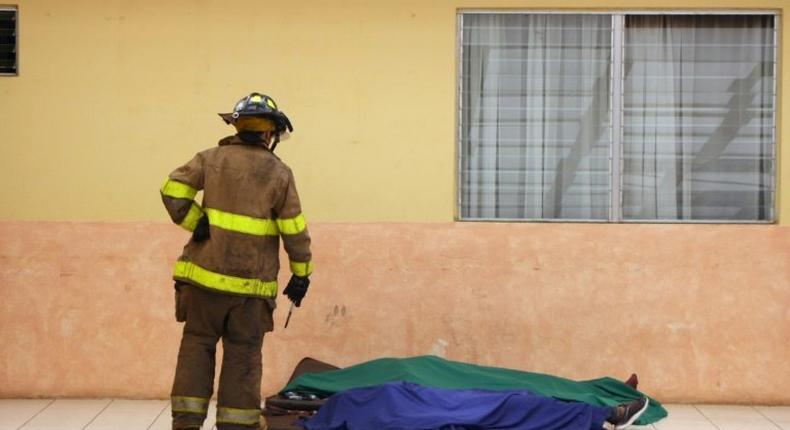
<point x="236" y="139"/>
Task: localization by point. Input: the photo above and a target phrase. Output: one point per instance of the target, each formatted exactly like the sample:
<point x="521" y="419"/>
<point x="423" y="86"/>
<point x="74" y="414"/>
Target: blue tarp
<point x="408" y="406"/>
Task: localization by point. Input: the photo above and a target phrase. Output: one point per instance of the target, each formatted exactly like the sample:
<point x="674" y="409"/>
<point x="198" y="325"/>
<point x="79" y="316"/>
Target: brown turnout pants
<point x="241" y="323"/>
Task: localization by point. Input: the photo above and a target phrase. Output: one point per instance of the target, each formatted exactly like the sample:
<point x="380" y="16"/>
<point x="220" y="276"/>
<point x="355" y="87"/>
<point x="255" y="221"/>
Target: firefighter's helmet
<point x="257" y="105"/>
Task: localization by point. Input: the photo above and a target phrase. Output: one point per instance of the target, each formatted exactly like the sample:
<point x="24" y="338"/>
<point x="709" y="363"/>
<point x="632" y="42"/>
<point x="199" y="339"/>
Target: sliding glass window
<point x="617" y="117"/>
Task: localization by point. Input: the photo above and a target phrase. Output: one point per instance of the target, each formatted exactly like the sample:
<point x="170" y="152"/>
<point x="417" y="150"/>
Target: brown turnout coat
<point x="251" y="201"/>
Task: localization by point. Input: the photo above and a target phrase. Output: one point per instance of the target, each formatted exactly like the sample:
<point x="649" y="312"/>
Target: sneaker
<point x="626" y="414"/>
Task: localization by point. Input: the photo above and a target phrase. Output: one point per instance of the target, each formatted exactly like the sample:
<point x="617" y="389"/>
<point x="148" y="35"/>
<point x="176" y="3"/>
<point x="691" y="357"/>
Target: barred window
<point x="8" y="41"/>
<point x="617" y="117"/>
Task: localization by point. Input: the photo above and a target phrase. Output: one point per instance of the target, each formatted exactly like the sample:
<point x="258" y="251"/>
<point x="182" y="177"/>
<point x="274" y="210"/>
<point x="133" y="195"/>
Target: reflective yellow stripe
<point x="294" y="225"/>
<point x="177" y="190"/>
<point x="193" y="216"/>
<point x="195" y="405"/>
<point x="227" y="283"/>
<point x="238" y="416"/>
<point x="242" y="223"/>
<point x="301" y="269"/>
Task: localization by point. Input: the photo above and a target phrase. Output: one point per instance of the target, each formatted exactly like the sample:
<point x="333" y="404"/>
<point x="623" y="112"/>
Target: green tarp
<point x="433" y="371"/>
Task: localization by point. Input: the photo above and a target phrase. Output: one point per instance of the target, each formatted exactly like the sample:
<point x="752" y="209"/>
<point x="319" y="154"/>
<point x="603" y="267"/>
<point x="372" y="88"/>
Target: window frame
<point x="616" y="80"/>
<point x="15" y="9"/>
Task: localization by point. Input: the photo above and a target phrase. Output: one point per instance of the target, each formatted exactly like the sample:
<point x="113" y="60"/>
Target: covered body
<point x="407" y="406"/>
<point x="437" y="372"/>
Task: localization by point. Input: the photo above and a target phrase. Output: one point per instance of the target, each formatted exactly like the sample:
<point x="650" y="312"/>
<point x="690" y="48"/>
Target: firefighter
<point x="226" y="278"/>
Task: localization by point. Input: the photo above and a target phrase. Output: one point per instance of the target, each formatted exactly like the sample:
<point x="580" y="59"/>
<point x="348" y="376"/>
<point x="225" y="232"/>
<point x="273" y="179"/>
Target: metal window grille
<point x="621" y="117"/>
<point x="8" y="41"/>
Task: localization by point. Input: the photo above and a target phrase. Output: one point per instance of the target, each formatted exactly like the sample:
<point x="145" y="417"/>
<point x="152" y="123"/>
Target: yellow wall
<point x="130" y="89"/>
<point x="113" y="95"/>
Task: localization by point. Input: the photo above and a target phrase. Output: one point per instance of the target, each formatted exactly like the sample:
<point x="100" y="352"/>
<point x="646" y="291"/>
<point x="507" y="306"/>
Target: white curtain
<point x="698" y="117"/>
<point x="535" y="118"/>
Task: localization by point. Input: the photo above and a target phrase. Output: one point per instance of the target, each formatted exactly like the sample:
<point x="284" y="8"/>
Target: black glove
<point x="201" y="232"/>
<point x="296" y="289"/>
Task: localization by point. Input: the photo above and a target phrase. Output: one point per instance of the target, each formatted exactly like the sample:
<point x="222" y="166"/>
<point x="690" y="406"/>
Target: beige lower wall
<point x="700" y="312"/>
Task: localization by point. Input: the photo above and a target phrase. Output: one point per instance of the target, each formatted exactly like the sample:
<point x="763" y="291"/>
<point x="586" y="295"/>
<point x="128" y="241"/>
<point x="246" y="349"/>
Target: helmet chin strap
<point x="276" y="141"/>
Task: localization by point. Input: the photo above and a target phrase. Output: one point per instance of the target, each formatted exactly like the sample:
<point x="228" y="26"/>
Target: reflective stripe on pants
<point x="193" y="405"/>
<point x="244" y="417"/>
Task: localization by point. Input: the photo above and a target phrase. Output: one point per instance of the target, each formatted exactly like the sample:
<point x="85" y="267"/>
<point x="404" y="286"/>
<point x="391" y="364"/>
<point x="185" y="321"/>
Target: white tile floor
<point x="116" y="414"/>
